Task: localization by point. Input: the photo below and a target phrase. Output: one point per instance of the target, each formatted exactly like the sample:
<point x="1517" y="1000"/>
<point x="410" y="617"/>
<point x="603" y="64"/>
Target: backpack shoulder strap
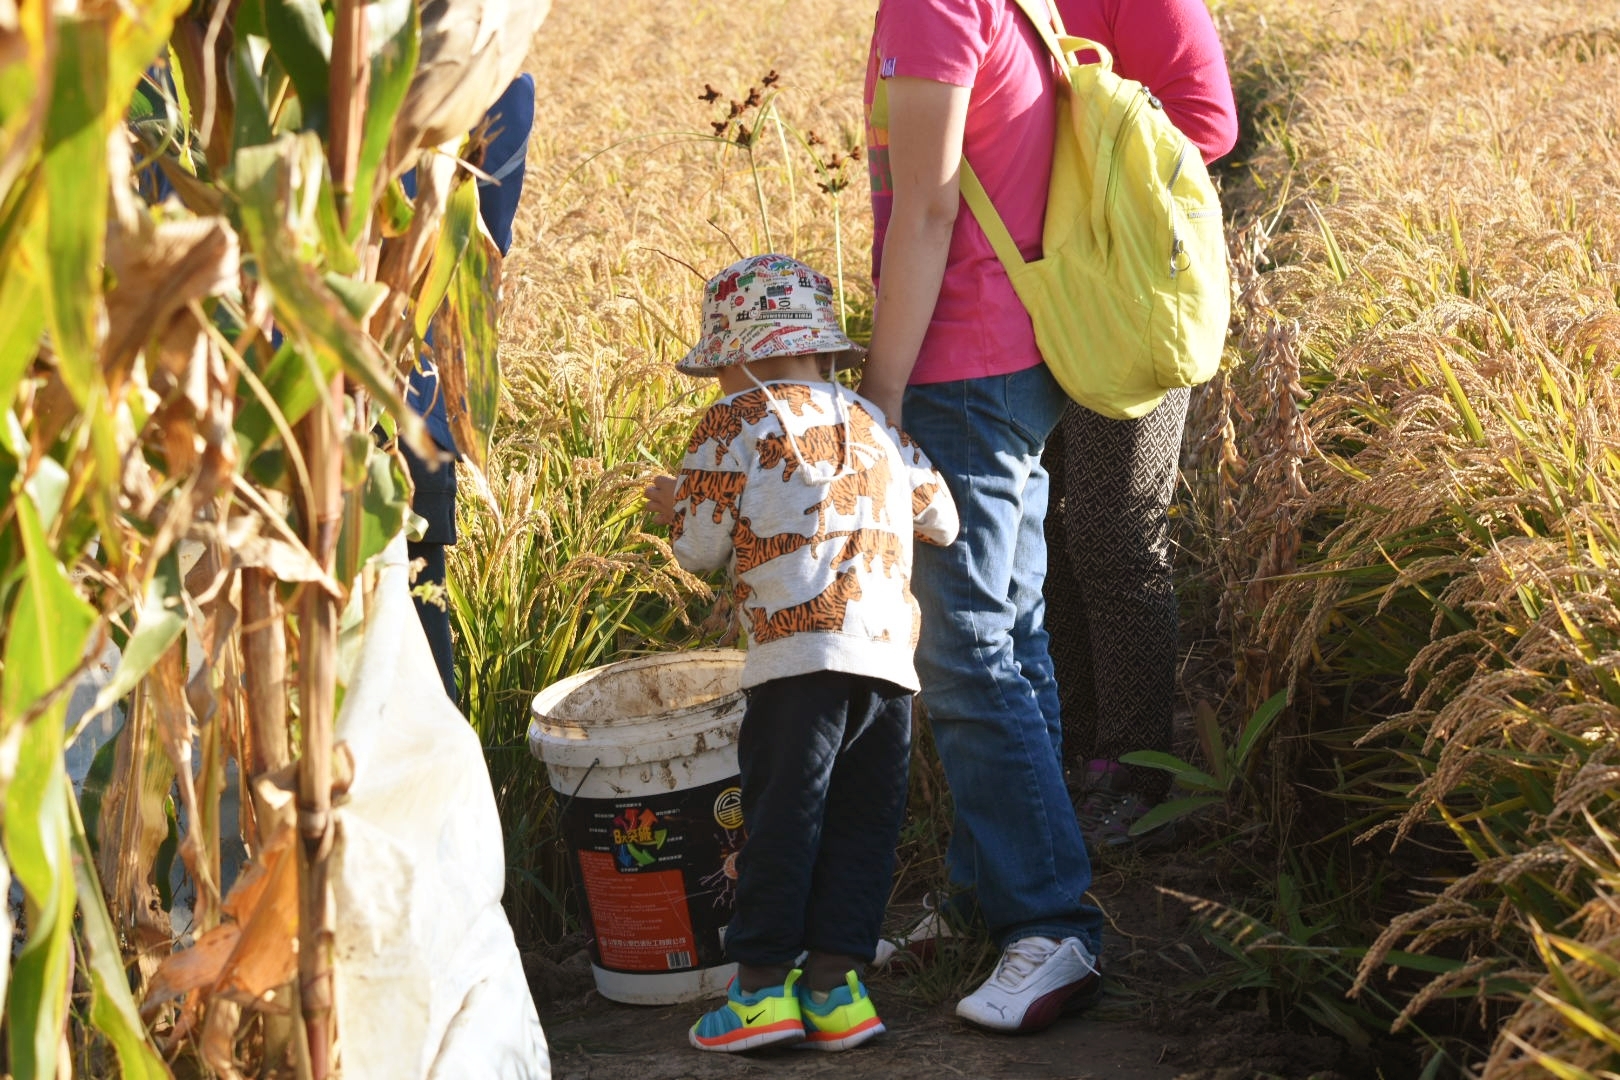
<point x="984" y="212"/>
<point x="1048" y="23"/>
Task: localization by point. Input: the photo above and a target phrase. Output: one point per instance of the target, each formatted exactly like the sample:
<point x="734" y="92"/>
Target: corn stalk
<point x="188" y="397"/>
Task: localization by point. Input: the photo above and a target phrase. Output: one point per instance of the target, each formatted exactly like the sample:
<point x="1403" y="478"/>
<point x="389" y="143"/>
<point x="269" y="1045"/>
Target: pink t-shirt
<point x="979" y="326"/>
<point x="1171" y="47"/>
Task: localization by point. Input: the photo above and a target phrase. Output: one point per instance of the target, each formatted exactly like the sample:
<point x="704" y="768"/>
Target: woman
<point x="1110" y="601"/>
<point x="954" y="356"/>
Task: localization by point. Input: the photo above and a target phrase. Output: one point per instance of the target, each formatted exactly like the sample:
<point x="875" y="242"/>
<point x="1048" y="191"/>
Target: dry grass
<point x="631" y="203"/>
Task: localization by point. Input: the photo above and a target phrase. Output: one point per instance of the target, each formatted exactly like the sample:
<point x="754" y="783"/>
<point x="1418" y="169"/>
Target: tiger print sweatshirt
<point x="811" y="502"/>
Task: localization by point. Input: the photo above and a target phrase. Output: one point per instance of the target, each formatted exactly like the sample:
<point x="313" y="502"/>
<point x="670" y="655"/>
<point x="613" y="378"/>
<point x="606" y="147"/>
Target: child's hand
<point x="661" y="499"/>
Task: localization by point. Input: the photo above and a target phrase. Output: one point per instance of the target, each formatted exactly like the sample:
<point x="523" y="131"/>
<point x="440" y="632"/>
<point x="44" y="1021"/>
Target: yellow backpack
<point x="1131" y="295"/>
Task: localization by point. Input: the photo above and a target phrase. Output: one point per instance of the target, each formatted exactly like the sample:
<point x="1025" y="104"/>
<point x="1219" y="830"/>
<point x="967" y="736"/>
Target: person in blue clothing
<point x="509" y="123"/>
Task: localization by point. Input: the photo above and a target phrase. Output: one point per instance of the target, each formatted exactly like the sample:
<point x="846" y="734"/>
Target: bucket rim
<point x="635" y="740"/>
<point x="541" y="705"/>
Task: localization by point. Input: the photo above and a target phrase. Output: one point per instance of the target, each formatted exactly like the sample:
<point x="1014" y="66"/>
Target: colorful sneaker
<point x="845" y="1020"/>
<point x="1033" y="981"/>
<point x="921" y="939"/>
<point x="748" y="1021"/>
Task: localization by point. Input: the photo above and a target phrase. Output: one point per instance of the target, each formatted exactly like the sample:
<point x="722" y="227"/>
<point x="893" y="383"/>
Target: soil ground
<point x="1158" y="1020"/>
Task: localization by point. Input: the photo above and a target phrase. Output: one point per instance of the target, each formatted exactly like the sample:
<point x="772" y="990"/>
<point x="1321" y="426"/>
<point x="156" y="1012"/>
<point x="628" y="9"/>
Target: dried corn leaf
<point x="194" y="968"/>
<point x="255" y="950"/>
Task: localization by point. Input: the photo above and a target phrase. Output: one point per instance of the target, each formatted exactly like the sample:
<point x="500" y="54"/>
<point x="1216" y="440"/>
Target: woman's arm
<point x="1173" y="48"/>
<point x="926" y="121"/>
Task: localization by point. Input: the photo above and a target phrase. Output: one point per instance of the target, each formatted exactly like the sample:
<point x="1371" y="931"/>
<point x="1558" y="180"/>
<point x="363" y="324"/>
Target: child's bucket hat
<point x="767" y="305"/>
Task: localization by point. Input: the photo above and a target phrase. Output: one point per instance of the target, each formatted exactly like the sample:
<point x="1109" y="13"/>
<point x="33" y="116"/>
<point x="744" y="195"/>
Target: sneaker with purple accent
<point x="1109" y="808"/>
<point x="921" y="940"/>
<point x="1035" y="979"/>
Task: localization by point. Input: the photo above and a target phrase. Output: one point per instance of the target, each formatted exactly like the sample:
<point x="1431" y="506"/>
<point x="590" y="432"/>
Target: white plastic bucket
<point x="642" y="755"/>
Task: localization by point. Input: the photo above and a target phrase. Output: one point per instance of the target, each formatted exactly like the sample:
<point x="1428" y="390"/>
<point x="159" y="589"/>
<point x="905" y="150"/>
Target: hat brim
<point x="711" y="354"/>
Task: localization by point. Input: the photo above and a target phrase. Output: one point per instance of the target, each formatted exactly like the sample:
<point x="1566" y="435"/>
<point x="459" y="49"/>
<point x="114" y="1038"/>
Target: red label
<point x="642" y="922"/>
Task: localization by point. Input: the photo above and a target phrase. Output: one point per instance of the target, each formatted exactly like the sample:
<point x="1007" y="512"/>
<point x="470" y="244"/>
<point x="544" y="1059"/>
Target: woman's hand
<point x="661" y="499"/>
<point x="885" y="396"/>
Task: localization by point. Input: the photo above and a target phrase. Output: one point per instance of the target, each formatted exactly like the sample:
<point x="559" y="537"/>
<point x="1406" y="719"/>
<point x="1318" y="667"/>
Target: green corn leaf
<point x="252" y="110"/>
<point x="396" y="209"/>
<point x="75" y="173"/>
<point x="24" y="76"/>
<point x="473" y="293"/>
<point x="455" y="234"/>
<point x="359" y="298"/>
<point x="395" y="38"/>
<point x="293" y="384"/>
<point x="1172" y="810"/>
<point x="45" y="640"/>
<point x="307" y="309"/>
<point x="302" y="44"/>
<point x="22" y="294"/>
<point x="383" y="497"/>
<point x="36" y="834"/>
<point x="94" y="788"/>
<point x="112" y="1008"/>
<point x="340" y="254"/>
<point x="250" y="17"/>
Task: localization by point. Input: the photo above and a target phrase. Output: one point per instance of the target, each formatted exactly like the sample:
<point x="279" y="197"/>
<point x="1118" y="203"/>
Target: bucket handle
<point x="563" y="809"/>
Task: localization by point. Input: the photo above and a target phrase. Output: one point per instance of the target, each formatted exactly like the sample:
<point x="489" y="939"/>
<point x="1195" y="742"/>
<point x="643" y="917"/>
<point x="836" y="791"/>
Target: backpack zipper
<point x="1177" y="246"/>
<point x="1132" y="107"/>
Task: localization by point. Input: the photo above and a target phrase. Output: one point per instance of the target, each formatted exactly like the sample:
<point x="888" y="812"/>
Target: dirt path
<point x="621" y="1042"/>
<point x="1158" y="1019"/>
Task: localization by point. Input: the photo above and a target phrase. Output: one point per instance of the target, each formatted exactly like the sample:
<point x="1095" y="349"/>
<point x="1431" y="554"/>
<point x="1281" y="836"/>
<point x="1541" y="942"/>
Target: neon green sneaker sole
<point x="749" y="1021"/>
<point x="844" y="1021"/>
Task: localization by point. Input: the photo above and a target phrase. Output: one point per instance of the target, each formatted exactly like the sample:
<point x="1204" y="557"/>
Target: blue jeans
<point x="987" y="680"/>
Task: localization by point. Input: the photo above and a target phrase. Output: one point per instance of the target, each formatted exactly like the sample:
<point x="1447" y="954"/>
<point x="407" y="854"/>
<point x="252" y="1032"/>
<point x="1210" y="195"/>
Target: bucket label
<point x="658" y="875"/>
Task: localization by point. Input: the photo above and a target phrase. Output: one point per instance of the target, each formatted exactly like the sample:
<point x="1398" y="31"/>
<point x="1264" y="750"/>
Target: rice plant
<point x="1412" y="472"/>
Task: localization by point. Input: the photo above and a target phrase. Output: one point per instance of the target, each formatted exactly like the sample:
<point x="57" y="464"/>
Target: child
<point x="802" y="490"/>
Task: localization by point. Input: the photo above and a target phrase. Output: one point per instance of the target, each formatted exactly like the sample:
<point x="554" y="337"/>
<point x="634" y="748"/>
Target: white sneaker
<point x="920" y="940"/>
<point x="1033" y="980"/>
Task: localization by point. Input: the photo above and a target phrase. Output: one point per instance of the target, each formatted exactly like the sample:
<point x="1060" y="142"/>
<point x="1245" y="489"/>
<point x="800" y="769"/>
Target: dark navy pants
<point x="824" y="761"/>
<point x="435" y="619"/>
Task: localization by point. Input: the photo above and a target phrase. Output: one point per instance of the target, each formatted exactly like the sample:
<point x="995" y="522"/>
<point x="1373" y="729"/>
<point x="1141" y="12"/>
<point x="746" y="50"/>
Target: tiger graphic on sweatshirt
<point x="825" y="611"/>
<point x="722" y="425"/>
<point x="816" y="530"/>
